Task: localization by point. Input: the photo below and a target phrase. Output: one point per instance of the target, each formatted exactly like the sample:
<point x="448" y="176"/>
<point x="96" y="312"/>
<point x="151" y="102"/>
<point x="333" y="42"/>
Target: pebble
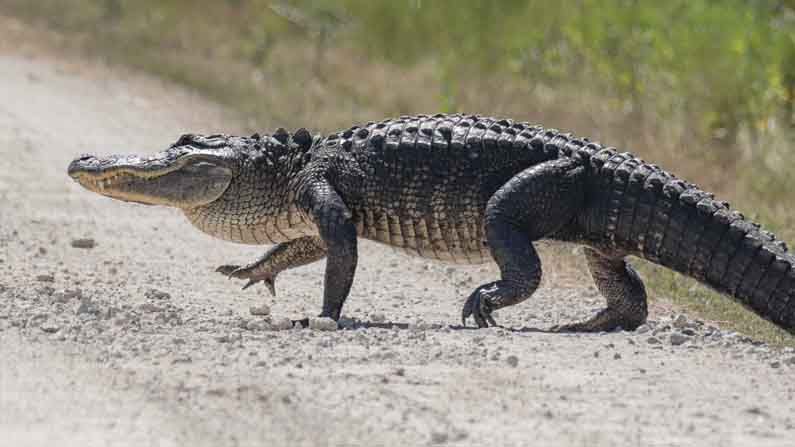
<point x="643" y="328"/>
<point x="653" y="341"/>
<point x="377" y="317"/>
<point x="258" y="325"/>
<point x="228" y="338"/>
<point x="63" y="296"/>
<point x="260" y="310"/>
<point x="790" y="361"/>
<point x="45" y="278"/>
<point x="50" y="327"/>
<point x="154" y="294"/>
<point x="678" y="339"/>
<point x="87" y="307"/>
<point x="680" y="322"/>
<point x="282" y="324"/>
<point x="439" y="437"/>
<point x="86" y="243"/>
<point x="512" y="361"/>
<point x="775" y="365"/>
<point x="322" y="324"/>
<point x="149" y="308"/>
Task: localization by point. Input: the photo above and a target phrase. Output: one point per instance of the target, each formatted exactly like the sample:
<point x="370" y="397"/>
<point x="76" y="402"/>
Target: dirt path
<point x="89" y="355"/>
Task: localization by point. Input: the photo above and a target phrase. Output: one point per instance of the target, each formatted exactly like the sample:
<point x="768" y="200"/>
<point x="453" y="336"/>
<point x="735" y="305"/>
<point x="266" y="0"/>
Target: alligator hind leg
<point x="533" y="204"/>
<point x="623" y="289"/>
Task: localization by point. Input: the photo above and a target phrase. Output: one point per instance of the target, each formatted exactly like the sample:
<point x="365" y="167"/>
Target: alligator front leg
<point x="321" y="202"/>
<point x="280" y="257"/>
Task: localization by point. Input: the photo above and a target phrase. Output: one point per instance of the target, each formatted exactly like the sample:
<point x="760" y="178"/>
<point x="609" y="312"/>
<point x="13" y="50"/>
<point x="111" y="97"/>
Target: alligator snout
<point x="83" y="163"/>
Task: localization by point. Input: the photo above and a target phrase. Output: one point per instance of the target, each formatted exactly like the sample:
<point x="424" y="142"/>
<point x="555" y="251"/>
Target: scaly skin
<point x="461" y="189"/>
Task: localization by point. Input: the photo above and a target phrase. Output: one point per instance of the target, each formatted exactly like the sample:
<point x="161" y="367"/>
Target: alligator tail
<point x="675" y="224"/>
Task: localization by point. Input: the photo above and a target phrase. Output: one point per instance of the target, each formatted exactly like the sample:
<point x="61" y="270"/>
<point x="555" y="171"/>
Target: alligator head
<point x="193" y="172"/>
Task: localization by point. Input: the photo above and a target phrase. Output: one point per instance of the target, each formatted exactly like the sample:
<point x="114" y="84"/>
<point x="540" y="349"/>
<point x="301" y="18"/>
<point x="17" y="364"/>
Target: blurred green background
<point x="705" y="88"/>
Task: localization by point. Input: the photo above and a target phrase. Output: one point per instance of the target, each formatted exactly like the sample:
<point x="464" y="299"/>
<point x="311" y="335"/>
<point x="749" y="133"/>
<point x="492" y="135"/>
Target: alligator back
<point x="427" y="179"/>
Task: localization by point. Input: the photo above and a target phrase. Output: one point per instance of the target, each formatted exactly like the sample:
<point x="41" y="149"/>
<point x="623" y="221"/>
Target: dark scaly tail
<point x="675" y="224"/>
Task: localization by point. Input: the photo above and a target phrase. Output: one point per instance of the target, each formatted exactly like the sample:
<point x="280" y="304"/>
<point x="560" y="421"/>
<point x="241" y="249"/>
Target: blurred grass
<point x="705" y="89"/>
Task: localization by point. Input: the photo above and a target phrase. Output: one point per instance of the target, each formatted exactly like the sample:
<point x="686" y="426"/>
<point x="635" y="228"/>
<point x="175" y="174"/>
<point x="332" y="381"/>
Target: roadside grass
<point x="276" y="82"/>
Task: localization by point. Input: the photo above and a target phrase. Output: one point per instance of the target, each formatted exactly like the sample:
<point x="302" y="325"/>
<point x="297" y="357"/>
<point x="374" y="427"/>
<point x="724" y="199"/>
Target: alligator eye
<point x="185" y="139"/>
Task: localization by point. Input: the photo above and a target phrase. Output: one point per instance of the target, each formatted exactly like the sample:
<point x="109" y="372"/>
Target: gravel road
<point x="114" y="329"/>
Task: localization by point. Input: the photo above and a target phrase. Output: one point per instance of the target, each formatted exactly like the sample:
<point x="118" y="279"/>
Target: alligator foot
<point x="250" y="272"/>
<point x="480" y="305"/>
<point x="605" y="321"/>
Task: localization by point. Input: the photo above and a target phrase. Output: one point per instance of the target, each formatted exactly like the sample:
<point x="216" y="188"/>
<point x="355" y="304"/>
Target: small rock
<point x="50" y="327"/>
<point x="678" y="339"/>
<point x="643" y="328"/>
<point x="616" y="356"/>
<point x="228" y="338"/>
<point x="790" y="361"/>
<point x="322" y="324"/>
<point x="439" y="437"/>
<point x="260" y="310"/>
<point x="653" y="341"/>
<point x="44" y="290"/>
<point x="680" y="322"/>
<point x="257" y="325"/>
<point x="149" y="308"/>
<point x="87" y="307"/>
<point x="512" y="360"/>
<point x="182" y="359"/>
<point x="63" y="296"/>
<point x="86" y="243"/>
<point x="377" y="317"/>
<point x="36" y="320"/>
<point x="282" y="324"/>
<point x="45" y="278"/>
<point x="154" y="294"/>
<point x="689" y="331"/>
<point x="775" y="365"/>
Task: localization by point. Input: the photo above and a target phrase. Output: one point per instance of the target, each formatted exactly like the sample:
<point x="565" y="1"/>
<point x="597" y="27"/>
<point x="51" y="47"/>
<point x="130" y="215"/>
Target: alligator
<point x="456" y="188"/>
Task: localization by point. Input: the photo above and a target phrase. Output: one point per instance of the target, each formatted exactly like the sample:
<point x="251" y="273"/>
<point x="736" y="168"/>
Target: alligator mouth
<point x="182" y="182"/>
<point x="111" y="181"/>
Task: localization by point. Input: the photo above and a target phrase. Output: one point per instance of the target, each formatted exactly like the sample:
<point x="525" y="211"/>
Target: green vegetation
<point x="704" y="88"/>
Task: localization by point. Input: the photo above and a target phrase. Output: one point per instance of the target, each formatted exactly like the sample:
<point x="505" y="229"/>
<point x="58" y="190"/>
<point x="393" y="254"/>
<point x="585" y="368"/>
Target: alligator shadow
<point x="361" y="324"/>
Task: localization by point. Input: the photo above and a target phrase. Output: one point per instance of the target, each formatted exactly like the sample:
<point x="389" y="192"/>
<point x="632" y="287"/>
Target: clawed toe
<point x="605" y="321"/>
<point x="479" y="307"/>
<point x="227" y="269"/>
<point x="246" y="272"/>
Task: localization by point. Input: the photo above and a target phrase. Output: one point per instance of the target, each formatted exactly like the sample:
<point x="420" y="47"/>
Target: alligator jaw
<point x="165" y="179"/>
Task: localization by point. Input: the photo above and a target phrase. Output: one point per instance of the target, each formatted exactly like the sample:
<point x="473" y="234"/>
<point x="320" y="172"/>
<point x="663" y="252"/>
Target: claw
<point x="271" y="286"/>
<point x="477" y="306"/>
<point x="227" y="269"/>
<point x="244" y="272"/>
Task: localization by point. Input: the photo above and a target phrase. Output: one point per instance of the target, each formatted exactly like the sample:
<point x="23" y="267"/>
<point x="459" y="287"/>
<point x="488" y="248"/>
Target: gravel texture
<point x="132" y="339"/>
